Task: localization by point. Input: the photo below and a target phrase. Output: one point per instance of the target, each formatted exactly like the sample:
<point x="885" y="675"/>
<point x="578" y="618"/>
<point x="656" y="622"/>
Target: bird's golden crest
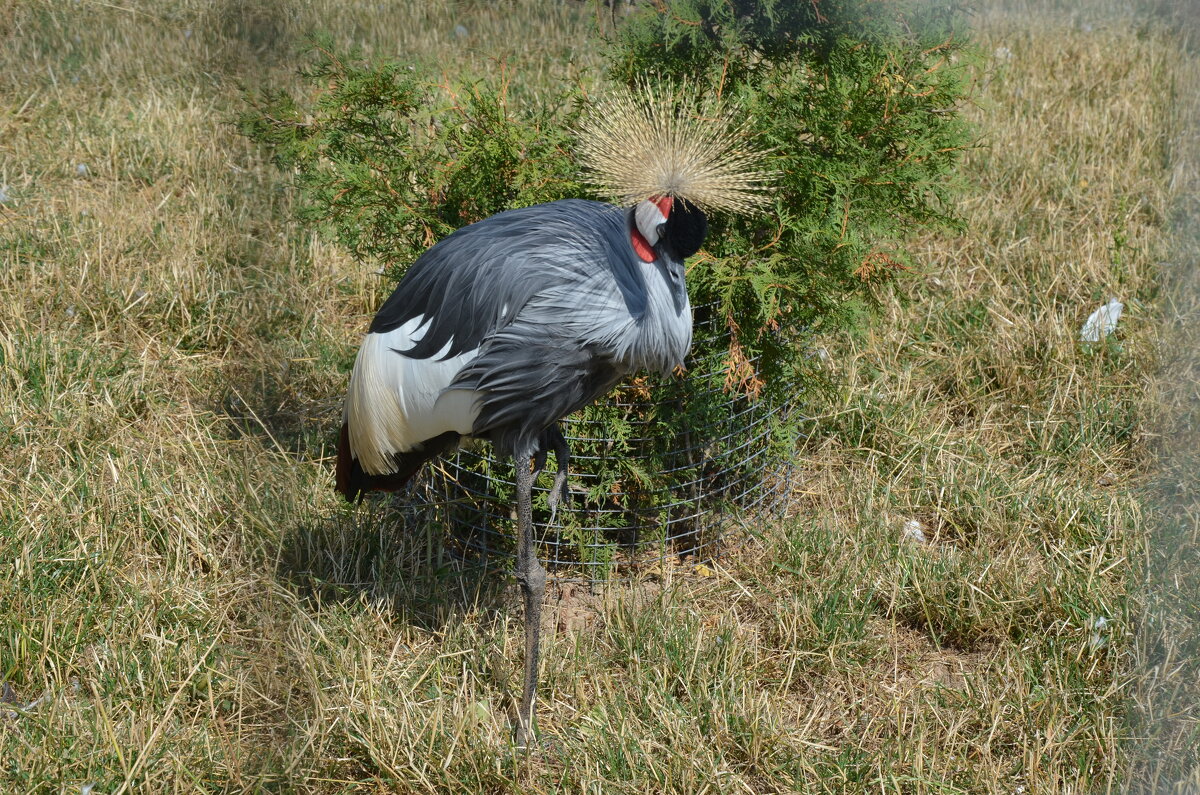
<point x="668" y="141"/>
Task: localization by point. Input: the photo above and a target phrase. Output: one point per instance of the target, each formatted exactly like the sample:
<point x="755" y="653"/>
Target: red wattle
<point x="641" y="247"/>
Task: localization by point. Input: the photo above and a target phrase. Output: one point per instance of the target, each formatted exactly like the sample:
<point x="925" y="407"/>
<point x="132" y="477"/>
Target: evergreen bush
<point x="858" y="99"/>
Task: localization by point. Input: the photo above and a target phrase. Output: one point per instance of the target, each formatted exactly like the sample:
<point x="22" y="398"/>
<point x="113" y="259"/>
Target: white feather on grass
<point x="1102" y="322"/>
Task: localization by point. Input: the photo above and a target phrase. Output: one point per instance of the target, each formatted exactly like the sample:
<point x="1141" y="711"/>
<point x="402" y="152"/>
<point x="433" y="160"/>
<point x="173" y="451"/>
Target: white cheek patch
<point x="648" y="218"/>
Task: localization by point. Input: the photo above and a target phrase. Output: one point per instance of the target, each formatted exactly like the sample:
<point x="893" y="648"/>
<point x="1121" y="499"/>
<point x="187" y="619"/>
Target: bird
<point x="510" y="324"/>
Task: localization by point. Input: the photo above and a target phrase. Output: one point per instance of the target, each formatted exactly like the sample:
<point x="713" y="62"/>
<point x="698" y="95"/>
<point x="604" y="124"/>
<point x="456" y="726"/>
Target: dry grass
<point x="172" y="355"/>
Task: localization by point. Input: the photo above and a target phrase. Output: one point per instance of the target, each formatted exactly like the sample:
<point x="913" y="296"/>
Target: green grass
<point x="186" y="606"/>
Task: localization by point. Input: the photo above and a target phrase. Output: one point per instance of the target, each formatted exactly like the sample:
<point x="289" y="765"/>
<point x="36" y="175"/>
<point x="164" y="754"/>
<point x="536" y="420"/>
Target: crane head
<point x="680" y="225"/>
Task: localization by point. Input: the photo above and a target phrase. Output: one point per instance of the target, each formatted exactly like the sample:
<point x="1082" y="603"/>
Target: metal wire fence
<point x="691" y="461"/>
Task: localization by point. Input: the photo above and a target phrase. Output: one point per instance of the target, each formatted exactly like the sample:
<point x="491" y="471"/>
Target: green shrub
<point x="387" y="162"/>
<point x="858" y="101"/>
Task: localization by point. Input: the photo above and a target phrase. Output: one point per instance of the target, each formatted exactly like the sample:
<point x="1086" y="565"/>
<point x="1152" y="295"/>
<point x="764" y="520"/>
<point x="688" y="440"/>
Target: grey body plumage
<point x="554" y="305"/>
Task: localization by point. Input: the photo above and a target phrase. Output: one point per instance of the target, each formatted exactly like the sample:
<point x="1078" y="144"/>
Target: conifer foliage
<point x="858" y="99"/>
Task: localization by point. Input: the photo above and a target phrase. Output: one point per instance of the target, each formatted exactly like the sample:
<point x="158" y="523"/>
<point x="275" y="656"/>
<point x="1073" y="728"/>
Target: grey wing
<point x="525" y="384"/>
<point x="477" y="280"/>
<point x="566" y="347"/>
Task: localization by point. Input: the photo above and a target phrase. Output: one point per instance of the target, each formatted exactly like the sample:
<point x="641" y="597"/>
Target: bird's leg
<point x="539" y="460"/>
<point x="553" y="439"/>
<point x="532" y="577"/>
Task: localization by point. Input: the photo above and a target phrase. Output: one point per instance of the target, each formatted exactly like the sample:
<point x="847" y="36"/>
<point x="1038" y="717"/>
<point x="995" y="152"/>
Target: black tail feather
<point x="353" y="483"/>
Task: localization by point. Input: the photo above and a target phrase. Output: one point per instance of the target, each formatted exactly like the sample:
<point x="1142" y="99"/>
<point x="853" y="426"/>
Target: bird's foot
<point x="559" y="493"/>
<point x="524" y="736"/>
<point x="521" y="736"/>
<point x="536" y="741"/>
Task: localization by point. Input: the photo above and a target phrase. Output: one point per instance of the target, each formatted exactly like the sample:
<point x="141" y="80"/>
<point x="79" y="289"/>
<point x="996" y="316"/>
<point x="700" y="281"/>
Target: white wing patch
<point x="396" y="402"/>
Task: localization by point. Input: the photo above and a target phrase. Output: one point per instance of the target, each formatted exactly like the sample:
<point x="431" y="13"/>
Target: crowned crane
<point x="512" y="323"/>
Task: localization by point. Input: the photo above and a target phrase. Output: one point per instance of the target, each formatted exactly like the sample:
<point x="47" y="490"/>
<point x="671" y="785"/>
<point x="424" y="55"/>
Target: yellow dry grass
<point x="173" y="350"/>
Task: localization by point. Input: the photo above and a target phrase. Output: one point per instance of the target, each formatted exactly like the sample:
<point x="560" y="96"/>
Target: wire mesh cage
<point x="664" y="466"/>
